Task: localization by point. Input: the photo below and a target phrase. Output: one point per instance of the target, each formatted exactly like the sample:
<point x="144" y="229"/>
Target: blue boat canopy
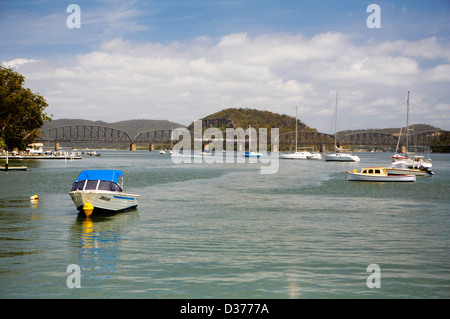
<point x="101" y="174"/>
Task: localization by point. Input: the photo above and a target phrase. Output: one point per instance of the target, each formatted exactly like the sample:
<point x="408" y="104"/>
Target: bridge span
<point x="102" y="134"/>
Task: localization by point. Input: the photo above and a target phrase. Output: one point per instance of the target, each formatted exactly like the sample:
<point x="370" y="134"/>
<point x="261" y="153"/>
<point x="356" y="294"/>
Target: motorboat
<point x="398" y="168"/>
<point x="296" y="155"/>
<point x="415" y="162"/>
<point x="103" y="189"/>
<point x="377" y="174"/>
<point x="251" y="154"/>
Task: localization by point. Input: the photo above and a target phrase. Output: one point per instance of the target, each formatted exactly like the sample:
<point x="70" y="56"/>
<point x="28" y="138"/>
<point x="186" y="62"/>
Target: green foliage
<point x="21" y="111"/>
<point x="441" y="143"/>
<point x="243" y="117"/>
<point x="2" y="144"/>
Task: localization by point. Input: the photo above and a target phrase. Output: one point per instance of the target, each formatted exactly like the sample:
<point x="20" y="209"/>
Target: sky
<point x="182" y="60"/>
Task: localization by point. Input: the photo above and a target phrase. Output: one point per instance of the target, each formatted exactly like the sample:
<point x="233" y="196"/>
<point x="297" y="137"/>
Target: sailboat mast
<point x="335" y="121"/>
<point x="296" y="129"/>
<point x="407" y="122"/>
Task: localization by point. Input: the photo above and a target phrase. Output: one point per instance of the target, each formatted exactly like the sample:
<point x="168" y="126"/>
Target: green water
<point x="226" y="231"/>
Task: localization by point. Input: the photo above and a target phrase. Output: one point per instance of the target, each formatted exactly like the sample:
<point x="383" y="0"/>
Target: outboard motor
<point x="426" y="169"/>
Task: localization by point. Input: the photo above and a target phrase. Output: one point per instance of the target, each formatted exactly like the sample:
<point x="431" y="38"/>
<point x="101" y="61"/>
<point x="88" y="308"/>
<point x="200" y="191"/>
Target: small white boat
<point x="296" y="155"/>
<point x="341" y="157"/>
<point x="398" y="168"/>
<point x="377" y="174"/>
<point x="103" y="190"/>
<point x="415" y="161"/>
<point x="251" y="154"/>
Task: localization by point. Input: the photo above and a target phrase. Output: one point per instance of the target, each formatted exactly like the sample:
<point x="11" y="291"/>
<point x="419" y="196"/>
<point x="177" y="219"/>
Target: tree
<point x="21" y="111"/>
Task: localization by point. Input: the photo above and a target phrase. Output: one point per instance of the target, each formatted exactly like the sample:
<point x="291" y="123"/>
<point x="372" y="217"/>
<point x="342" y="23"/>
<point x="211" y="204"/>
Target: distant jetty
<point x="11" y="168"/>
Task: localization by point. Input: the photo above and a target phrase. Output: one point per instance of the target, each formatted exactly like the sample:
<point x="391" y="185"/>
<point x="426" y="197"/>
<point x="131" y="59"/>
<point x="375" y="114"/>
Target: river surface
<point x="226" y="231"/>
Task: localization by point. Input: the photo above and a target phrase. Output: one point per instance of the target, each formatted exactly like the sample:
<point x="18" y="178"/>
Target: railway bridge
<point x="103" y="134"/>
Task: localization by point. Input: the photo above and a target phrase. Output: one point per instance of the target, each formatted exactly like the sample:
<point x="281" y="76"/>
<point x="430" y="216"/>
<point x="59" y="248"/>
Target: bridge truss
<point x="98" y="133"/>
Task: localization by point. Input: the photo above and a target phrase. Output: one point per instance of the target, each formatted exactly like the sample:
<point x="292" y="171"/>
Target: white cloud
<point x="189" y="80"/>
<point x="16" y="62"/>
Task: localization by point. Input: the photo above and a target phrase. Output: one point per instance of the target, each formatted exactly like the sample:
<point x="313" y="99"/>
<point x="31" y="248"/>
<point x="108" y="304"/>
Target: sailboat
<point x="337" y="156"/>
<point x="398" y="155"/>
<point x="409" y="159"/>
<point x="296" y="154"/>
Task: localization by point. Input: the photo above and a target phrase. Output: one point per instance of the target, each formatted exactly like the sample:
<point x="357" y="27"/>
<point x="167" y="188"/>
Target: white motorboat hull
<point x="341" y="157"/>
<point x="351" y="176"/>
<point x="104" y="200"/>
<point x="414" y="164"/>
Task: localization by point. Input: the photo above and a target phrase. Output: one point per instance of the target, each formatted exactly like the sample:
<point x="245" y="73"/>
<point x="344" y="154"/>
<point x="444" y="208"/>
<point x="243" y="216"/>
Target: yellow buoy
<point x="34" y="197"/>
<point x="88" y="208"/>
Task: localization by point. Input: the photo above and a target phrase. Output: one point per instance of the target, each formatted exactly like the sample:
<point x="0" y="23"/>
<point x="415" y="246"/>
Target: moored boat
<point x="251" y="154"/>
<point x="377" y="174"/>
<point x="341" y="157"/>
<point x="103" y="189"/>
<point x="415" y="161"/>
<point x="409" y="159"/>
<point x="314" y="156"/>
<point x="398" y="156"/>
<point x="398" y="168"/>
<point x="296" y="155"/>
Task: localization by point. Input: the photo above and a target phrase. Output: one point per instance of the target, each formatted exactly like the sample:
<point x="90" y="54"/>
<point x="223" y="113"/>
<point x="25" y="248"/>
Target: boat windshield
<point x="96" y="185"/>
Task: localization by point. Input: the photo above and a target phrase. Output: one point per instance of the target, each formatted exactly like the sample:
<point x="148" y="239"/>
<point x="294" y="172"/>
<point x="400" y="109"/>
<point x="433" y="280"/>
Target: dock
<point x="13" y="168"/>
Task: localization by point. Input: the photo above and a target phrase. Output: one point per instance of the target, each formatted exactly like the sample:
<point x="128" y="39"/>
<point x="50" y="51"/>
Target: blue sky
<point x="182" y="60"/>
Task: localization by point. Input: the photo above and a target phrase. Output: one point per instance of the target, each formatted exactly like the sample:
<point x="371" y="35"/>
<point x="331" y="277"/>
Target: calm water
<point x="226" y="231"/>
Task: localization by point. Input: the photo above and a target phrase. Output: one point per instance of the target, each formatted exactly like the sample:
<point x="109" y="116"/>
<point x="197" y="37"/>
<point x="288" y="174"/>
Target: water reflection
<point x="98" y="238"/>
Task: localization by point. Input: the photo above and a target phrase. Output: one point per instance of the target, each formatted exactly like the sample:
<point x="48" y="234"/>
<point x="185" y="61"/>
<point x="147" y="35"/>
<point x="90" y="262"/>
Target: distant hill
<point x="243" y="117"/>
<point x="416" y="128"/>
<point x="133" y="127"/>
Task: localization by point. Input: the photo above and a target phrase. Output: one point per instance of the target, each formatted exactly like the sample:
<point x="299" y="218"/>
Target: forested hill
<point x="243" y="117"/>
<point x="415" y="128"/>
<point x="133" y="127"/>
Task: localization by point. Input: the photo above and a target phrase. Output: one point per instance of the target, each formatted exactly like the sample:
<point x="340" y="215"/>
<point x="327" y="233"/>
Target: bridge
<point x="103" y="134"/>
<point x="84" y="133"/>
